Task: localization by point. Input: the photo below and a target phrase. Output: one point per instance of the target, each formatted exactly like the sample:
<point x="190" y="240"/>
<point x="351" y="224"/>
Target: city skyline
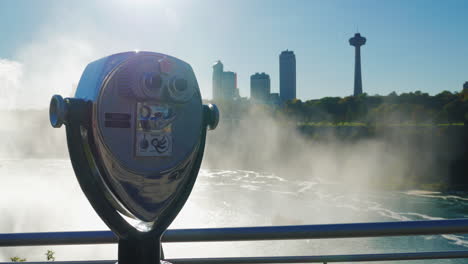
<point x="416" y="45"/>
<point x="224" y="87"/>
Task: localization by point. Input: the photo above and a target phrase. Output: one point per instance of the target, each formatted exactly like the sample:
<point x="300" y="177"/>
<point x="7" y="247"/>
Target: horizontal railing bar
<point x="57" y="238"/>
<point x="379" y="229"/>
<point x="297" y="259"/>
<point x="404" y="228"/>
<point x="71" y="262"/>
<point x="329" y="258"/>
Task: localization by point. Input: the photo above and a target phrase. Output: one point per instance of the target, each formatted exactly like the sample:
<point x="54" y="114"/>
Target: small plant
<point x="17" y="259"/>
<point x="50" y="255"/>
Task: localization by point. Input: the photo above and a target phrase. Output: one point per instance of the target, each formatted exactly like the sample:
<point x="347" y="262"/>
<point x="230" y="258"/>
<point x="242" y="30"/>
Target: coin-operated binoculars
<point x="136" y="133"/>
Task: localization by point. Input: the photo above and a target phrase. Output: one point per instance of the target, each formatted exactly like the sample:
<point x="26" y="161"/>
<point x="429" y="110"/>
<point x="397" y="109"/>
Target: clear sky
<point x="411" y="45"/>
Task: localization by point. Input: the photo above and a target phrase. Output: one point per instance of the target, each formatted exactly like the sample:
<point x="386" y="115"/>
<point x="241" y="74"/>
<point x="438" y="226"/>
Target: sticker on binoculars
<point x="152" y="117"/>
<point x="153" y="145"/>
<point x="154" y="130"/>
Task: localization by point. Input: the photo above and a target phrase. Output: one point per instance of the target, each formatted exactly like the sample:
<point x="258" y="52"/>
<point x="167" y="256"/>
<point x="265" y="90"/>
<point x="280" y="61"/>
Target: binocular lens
<point x="153" y="81"/>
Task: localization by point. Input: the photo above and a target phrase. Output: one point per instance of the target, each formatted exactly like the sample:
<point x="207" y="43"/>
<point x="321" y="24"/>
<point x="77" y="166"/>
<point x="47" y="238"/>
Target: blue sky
<point x="411" y="45"/>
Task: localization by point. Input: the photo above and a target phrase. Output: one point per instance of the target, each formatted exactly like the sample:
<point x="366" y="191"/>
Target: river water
<point x="39" y="195"/>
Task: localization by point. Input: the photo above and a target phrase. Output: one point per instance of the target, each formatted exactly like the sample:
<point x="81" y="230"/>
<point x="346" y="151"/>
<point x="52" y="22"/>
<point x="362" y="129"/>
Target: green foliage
<point x="17" y="259"/>
<point x="392" y="109"/>
<point x="406" y="108"/>
<point x="50" y="255"/>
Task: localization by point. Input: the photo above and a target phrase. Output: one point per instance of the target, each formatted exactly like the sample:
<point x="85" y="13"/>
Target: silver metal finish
<point x="136" y="134"/>
<point x="147" y="119"/>
<point x="147" y="123"/>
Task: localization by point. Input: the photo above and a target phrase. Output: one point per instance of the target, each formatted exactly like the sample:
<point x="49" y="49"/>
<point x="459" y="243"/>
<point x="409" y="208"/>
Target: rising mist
<point x="264" y="141"/>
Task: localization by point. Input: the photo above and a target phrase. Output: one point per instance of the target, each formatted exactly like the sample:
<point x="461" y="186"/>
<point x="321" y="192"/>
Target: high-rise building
<point x="224" y="83"/>
<point x="287" y="75"/>
<point x="260" y="87"/>
<point x="217" y="80"/>
<point x="229" y="85"/>
<point x="357" y="41"/>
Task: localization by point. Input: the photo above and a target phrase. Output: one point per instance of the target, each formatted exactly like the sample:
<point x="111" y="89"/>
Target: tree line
<point x="414" y="107"/>
<point x="406" y="108"/>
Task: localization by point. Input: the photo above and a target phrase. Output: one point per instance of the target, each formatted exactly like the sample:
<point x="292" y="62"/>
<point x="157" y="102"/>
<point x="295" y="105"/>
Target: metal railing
<point x="354" y="230"/>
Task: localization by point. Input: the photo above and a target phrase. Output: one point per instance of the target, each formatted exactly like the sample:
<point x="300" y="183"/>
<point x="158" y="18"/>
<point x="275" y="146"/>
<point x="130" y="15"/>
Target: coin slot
<point x="117" y="116"/>
<point x="117" y="124"/>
